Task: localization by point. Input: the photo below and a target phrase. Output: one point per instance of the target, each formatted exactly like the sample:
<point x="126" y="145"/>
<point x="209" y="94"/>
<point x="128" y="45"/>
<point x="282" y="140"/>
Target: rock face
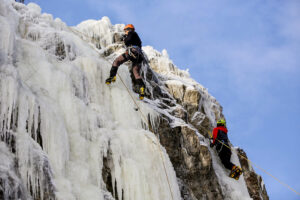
<point x="254" y="182"/>
<point x="192" y="162"/>
<point x="66" y="135"/>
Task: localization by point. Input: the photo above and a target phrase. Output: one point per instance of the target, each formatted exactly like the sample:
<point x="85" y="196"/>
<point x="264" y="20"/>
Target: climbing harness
<point x="134" y="52"/>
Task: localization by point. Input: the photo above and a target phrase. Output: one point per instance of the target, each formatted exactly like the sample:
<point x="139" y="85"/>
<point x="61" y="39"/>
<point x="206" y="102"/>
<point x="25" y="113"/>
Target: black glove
<point x="123" y="37"/>
<point x="212" y="145"/>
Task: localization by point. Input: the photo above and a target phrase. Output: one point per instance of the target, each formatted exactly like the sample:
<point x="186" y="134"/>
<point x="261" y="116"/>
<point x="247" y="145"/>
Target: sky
<point x="245" y="52"/>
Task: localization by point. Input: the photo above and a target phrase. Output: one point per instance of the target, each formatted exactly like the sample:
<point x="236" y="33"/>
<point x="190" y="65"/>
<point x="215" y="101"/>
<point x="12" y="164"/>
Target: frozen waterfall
<point x="62" y="121"/>
<point x="66" y="135"/>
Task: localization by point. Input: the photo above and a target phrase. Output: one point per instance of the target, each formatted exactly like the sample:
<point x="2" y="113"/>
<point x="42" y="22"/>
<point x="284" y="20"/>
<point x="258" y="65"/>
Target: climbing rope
<point x="144" y="117"/>
<point x="151" y="130"/>
<point x="262" y="169"/>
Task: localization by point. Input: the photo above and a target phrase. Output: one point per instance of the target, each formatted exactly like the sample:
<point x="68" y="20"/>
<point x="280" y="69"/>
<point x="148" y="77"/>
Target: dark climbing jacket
<point x="220" y="134"/>
<point x="134" y="45"/>
<point x="132" y="39"/>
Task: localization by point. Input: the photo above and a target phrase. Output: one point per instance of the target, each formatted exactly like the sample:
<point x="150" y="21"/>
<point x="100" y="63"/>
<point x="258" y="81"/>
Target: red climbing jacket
<point x="220" y="133"/>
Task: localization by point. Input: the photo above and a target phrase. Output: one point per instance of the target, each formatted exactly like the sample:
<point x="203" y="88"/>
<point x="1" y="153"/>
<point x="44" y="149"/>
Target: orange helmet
<point x="129" y="26"/>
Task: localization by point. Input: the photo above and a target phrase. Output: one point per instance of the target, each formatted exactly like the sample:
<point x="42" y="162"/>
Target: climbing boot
<point x="110" y="80"/>
<point x="141" y="87"/>
<point x="142" y="92"/>
<point x="236" y="172"/>
<point x="112" y="75"/>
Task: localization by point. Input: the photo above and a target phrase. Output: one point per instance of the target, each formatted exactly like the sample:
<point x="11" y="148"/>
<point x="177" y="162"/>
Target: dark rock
<point x="117" y="37"/>
<point x="180" y="113"/>
<point x="111" y="49"/>
<point x="191" y="160"/>
<point x="202" y="123"/>
<point x="253" y="180"/>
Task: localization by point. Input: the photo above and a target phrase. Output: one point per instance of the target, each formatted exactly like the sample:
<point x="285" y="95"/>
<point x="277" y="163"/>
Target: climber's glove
<point x="212" y="145"/>
<point x="123" y="37"/>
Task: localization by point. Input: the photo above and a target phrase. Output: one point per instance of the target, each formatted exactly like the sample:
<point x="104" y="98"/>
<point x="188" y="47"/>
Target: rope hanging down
<point x="147" y="122"/>
<point x="260" y="168"/>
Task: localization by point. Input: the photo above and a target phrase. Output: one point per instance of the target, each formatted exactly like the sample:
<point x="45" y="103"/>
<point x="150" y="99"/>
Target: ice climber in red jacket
<point x="221" y="141"/>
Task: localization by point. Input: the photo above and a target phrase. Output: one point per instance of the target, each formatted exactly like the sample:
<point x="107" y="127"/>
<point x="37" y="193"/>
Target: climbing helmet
<point x="128" y="27"/>
<point x="221" y="122"/>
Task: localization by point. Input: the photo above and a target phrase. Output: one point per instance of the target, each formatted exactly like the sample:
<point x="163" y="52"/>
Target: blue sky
<point x="245" y="52"/>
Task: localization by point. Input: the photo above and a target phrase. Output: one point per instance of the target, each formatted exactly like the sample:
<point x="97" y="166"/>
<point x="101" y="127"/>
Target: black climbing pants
<point x="225" y="155"/>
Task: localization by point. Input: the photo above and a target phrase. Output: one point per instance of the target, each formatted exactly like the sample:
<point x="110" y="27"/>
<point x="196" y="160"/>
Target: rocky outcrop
<point x="184" y="144"/>
<point x="256" y="188"/>
<point x="191" y="160"/>
<point x="190" y="98"/>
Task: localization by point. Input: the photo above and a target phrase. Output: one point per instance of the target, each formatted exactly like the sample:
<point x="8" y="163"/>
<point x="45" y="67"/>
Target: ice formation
<point x="61" y="125"/>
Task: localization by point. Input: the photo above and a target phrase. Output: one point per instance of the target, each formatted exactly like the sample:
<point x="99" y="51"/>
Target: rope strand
<point x="147" y="122"/>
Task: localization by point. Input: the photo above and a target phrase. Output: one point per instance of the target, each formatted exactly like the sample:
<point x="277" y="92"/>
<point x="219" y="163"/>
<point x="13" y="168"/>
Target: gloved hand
<point x="212" y="145"/>
<point x="123" y="37"/>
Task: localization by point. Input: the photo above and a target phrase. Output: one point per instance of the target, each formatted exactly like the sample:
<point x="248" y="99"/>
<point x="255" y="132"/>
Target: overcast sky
<point x="245" y="52"/>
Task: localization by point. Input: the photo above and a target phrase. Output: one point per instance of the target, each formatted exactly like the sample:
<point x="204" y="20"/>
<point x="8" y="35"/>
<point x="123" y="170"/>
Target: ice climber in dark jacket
<point x="221" y="141"/>
<point x="134" y="54"/>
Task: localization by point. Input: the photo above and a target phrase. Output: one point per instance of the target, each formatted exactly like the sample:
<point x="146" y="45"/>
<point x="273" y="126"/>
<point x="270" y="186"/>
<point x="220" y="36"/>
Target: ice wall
<point x="60" y="120"/>
<point x="67" y="135"/>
